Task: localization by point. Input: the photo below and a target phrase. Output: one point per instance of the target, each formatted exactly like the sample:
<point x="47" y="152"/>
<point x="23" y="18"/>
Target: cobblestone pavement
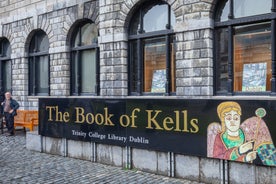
<point x="19" y="165"/>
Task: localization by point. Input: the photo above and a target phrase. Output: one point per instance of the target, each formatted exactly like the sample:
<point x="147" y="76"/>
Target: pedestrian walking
<point x="9" y="106"/>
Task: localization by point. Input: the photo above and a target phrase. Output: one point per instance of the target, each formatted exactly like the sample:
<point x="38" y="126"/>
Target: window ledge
<point x="35" y="98"/>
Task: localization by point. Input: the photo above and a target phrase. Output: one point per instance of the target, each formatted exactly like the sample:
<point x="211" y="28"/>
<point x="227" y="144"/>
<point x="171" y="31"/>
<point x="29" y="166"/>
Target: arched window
<point x="5" y="65"/>
<point x="245" y="47"/>
<point x="39" y="64"/>
<point x="151" y="46"/>
<point x="84" y="60"/>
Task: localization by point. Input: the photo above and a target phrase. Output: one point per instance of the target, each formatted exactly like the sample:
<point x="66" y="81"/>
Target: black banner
<point x="241" y="130"/>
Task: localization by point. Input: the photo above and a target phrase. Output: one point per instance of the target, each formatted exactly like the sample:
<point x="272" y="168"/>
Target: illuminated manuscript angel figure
<point x="232" y="140"/>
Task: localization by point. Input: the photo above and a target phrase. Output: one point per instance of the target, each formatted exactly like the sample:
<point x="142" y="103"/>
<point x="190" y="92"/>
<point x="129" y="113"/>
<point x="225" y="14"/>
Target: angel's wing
<point x="255" y="129"/>
<point x="213" y="129"/>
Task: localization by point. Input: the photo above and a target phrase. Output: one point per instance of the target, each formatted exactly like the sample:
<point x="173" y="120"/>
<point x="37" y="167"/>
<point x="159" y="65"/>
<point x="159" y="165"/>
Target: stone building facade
<point x="193" y="35"/>
<point x="194" y="75"/>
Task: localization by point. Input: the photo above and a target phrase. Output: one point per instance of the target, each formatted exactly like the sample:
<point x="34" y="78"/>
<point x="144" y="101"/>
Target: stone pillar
<point x="113" y="50"/>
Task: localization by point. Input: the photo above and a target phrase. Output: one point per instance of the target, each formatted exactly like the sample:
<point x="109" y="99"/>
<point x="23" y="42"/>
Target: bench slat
<point x="26" y="119"/>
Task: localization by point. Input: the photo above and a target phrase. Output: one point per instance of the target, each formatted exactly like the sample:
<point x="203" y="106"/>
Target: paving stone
<point x="19" y="165"/>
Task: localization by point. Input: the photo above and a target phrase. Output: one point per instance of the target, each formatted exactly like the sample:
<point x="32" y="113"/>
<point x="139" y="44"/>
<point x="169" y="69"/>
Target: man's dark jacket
<point x="14" y="105"/>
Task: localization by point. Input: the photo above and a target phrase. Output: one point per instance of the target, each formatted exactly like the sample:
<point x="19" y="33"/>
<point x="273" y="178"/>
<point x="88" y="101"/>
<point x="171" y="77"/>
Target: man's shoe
<point x="11" y="134"/>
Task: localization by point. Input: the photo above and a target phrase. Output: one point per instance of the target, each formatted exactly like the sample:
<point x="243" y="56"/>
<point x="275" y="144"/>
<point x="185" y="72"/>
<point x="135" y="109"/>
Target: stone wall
<point x="57" y="21"/>
<point x="194" y="75"/>
<point x="113" y="49"/>
<point x="164" y="163"/>
<point x="194" y="63"/>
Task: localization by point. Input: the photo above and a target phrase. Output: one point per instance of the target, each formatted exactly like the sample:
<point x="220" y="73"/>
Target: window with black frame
<point x="39" y="64"/>
<point x="151" y="50"/>
<point x="245" y="47"/>
<point x="84" y="60"/>
<point x="5" y="65"/>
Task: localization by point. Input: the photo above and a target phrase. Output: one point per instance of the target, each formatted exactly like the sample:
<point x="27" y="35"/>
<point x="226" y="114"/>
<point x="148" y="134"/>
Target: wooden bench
<point x="26" y="118"/>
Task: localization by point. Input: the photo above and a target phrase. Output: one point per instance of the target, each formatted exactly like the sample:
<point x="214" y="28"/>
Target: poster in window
<point x="158" y="81"/>
<point x="254" y="77"/>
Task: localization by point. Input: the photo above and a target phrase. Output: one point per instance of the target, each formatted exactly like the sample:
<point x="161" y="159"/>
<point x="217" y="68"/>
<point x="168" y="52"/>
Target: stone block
<point x="162" y="163"/>
<point x="210" y="171"/>
<point x="187" y="167"/>
<point x="53" y="146"/>
<point x="33" y="141"/>
<point x="265" y="175"/>
<point x="107" y="154"/>
<point x="144" y="160"/>
<point x="241" y="173"/>
<point x="79" y="149"/>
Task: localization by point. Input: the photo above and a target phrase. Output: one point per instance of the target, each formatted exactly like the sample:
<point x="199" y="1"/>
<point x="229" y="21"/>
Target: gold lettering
<point x="152" y="119"/>
<point x="177" y="121"/>
<point x="166" y="121"/>
<point x="194" y="123"/>
<point x="99" y="119"/>
<point x="58" y="115"/>
<point x="185" y="121"/>
<point x="66" y="117"/>
<point x="89" y="118"/>
<point x="133" y="116"/>
<point x="50" y="108"/>
<point x="79" y="115"/>
<point x="126" y="122"/>
<point x="125" y="119"/>
<point x="108" y="118"/>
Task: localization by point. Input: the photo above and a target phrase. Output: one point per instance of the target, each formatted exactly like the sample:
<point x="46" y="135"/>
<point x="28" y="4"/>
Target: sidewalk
<point x="19" y="165"/>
